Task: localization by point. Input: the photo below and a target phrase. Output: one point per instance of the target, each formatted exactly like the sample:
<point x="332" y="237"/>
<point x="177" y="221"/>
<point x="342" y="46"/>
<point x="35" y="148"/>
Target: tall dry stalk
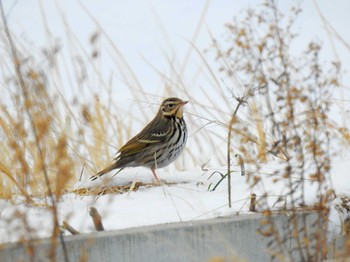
<point x="287" y="120"/>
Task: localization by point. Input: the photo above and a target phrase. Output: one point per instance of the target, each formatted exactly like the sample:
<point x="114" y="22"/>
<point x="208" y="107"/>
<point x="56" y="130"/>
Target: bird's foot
<point x="159" y="182"/>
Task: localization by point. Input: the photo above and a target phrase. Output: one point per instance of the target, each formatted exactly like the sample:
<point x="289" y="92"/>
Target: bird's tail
<point x="104" y="171"/>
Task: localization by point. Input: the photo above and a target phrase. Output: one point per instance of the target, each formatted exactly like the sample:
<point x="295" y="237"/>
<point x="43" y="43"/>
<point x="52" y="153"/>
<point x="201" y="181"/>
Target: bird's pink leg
<point x="155" y="175"/>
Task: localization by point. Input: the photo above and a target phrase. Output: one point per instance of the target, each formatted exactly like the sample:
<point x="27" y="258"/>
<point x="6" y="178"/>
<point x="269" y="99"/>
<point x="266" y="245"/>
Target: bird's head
<point x="172" y="107"/>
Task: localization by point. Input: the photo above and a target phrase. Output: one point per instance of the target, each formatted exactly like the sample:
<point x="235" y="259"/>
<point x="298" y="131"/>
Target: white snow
<point x="188" y="200"/>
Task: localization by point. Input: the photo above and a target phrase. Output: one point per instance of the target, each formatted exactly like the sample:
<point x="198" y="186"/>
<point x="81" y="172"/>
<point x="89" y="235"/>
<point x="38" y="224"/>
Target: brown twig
<point x="252" y="206"/>
<point x="96" y="218"/>
<point x="69" y="228"/>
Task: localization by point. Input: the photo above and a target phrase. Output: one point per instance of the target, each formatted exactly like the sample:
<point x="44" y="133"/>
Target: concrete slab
<point x="229" y="237"/>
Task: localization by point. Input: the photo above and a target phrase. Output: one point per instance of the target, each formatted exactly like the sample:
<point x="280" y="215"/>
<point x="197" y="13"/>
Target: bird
<point x="158" y="144"/>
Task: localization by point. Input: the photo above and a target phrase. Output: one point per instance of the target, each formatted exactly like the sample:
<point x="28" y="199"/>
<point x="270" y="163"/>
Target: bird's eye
<point x="171" y="106"/>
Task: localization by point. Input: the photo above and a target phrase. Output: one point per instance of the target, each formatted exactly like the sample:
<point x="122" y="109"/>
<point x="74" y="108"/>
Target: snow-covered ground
<point x="187" y="200"/>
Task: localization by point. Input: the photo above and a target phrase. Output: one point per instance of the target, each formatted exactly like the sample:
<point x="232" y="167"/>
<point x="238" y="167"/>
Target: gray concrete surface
<point x="229" y="237"/>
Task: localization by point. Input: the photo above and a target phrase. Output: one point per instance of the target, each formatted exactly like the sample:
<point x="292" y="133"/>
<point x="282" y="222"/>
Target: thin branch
<point x="241" y="101"/>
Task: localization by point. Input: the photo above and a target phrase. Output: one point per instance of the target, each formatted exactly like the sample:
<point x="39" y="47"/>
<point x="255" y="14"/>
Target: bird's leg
<point x="153" y="169"/>
<point x="155" y="175"/>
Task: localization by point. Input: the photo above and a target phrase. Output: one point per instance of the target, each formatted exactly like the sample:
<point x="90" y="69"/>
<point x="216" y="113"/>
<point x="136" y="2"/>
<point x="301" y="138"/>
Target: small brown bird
<point x="158" y="144"/>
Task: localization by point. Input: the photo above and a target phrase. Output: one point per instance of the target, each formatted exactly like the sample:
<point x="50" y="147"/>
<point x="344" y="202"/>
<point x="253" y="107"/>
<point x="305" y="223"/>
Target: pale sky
<point x="154" y="29"/>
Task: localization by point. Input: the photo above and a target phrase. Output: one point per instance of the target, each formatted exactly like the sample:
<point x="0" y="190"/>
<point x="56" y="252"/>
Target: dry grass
<point x="291" y="122"/>
<point x="135" y="186"/>
<point x="52" y="132"/>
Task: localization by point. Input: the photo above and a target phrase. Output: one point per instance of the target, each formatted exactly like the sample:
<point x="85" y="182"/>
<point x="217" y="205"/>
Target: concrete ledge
<point x="229" y="237"/>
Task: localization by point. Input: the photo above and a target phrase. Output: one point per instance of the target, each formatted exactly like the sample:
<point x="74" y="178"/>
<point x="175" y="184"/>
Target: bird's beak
<point x="180" y="109"/>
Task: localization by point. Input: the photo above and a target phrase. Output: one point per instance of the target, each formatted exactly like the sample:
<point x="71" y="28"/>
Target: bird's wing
<point x="150" y="135"/>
